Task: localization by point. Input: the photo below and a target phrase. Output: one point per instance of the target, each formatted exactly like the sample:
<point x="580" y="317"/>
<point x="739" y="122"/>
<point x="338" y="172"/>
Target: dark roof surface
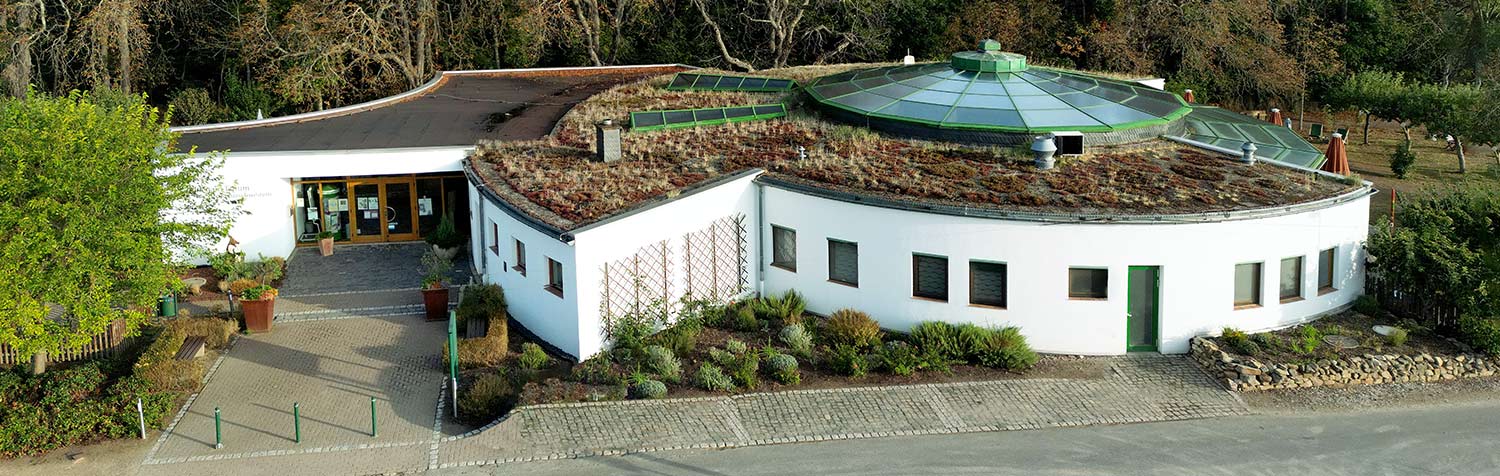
<point x="461" y="109"/>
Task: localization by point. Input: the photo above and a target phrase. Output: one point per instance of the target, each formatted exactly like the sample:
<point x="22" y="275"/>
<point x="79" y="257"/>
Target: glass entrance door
<point x="383" y="210"/>
<point x="1142" y="317"/>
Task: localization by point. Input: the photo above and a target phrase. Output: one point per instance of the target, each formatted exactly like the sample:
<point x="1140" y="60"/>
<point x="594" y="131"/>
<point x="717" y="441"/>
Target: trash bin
<point x="167" y="305"/>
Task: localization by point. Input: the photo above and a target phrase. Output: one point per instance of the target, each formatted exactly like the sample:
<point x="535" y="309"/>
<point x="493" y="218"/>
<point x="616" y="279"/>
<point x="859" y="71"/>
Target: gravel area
<point x="1365" y="397"/>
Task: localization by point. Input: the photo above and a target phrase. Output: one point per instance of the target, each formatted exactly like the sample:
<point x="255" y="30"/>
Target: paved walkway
<point x="363" y="268"/>
<point x="331" y="368"/>
<point x="1136" y="389"/>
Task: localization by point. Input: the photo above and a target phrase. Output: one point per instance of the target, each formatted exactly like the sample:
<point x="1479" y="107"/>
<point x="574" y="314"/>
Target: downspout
<point x="760" y="238"/>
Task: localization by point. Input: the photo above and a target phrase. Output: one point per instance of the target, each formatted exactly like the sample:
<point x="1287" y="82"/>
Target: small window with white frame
<point x="1247" y="285"/>
<point x="1291" y="279"/>
<point x="1088" y="283"/>
<point x="784" y="248"/>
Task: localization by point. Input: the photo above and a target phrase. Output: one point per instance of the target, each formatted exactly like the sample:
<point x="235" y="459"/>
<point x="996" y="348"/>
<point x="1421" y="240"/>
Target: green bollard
<point x="372" y="417"/>
<point x="218" y="430"/>
<point x="296" y="423"/>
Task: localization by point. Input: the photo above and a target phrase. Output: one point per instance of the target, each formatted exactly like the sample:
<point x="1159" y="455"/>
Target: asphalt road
<point x="1461" y="439"/>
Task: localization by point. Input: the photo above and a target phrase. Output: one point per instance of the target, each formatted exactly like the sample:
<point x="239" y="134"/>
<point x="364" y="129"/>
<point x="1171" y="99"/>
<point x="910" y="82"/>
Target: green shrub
<point x="533" y="357"/>
<point x="1309" y="341"/>
<point x="74" y="405"/>
<point x="661" y="361"/>
<point x="487" y="398"/>
<point x="1397" y="337"/>
<point x="712" y="316"/>
<point x="1483" y="334"/>
<point x="445" y="235"/>
<point x="785" y="309"/>
<point x="936" y="336"/>
<point x="265" y="270"/>
<point x="1367" y="305"/>
<point x="681" y="337"/>
<point x="226" y="265"/>
<point x="743" y="369"/>
<point x="847" y="360"/>
<point x="709" y="377"/>
<point x="1402" y="160"/>
<point x="482" y="301"/>
<point x="796" y="338"/>
<point x="736" y="347"/>
<point x="596" y="371"/>
<point x="783" y="368"/>
<point x="646" y="388"/>
<point x="745" y="320"/>
<point x="1006" y="348"/>
<point x="852" y="328"/>
<point x="899" y="358"/>
<point x="1267" y="341"/>
<point x="1239" y="342"/>
<point x="720" y="356"/>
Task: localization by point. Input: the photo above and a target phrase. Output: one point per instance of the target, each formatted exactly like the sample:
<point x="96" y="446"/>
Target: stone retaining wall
<point x="1245" y="374"/>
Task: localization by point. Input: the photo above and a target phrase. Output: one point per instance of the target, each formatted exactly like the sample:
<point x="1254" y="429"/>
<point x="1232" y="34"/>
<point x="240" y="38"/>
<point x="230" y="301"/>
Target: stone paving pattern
<point x="363" y="267"/>
<point x="331" y="368"/>
<point x="1137" y="389"/>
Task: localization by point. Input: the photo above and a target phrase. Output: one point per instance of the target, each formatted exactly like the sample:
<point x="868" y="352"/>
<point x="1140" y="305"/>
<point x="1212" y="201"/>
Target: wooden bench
<point x="192" y="348"/>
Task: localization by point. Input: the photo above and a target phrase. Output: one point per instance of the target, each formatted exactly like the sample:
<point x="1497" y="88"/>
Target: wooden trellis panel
<point x="636" y="283"/>
<point x="716" y="259"/>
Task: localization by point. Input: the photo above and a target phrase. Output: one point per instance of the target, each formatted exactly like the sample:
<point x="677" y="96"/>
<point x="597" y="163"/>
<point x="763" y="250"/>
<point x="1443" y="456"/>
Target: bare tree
<point x="783" y="29"/>
<point x="21" y="23"/>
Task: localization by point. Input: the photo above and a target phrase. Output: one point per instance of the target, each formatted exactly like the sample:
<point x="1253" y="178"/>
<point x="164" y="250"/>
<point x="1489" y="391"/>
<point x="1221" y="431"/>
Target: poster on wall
<point x="339" y="205"/>
<point x="371" y="214"/>
<point x="424" y="206"/>
<point x="368" y="203"/>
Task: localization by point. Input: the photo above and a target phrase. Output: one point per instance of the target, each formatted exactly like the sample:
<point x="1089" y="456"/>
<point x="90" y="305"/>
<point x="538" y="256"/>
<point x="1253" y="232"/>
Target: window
<point x="929" y="277"/>
<point x="520" y="257"/>
<point x="1291" y="279"/>
<point x="1088" y="283"/>
<point x="1246" y="285"/>
<point x="554" y="277"/>
<point x="987" y="284"/>
<point x="495" y="240"/>
<point x="843" y="262"/>
<point x="784" y="248"/>
<point x="1325" y="271"/>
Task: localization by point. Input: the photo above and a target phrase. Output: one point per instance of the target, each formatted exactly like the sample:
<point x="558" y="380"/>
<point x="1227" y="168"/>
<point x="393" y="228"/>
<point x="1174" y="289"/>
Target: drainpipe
<point x="760" y="238"/>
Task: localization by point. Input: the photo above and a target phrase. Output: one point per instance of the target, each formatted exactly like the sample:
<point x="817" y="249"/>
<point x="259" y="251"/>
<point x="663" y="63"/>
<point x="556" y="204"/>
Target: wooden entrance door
<point x="383" y="209"/>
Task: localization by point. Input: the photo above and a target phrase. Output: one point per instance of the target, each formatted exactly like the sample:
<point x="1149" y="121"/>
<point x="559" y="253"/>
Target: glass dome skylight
<point x="991" y="91"/>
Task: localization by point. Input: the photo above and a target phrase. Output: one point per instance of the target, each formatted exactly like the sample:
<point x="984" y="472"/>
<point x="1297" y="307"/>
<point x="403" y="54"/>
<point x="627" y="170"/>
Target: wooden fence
<point x="101" y="345"/>
<point x="1406" y="301"/>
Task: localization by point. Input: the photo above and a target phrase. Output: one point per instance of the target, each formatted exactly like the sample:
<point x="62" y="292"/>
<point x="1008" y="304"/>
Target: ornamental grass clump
<point x="533" y="357"/>
<point x="1238" y="341"/>
<point x="661" y="361"/>
<point x="709" y="377"/>
<point x="851" y="328"/>
<point x="1006" y="348"/>
<point x="796" y="338"/>
<point x="1397" y="337"/>
<point x="785" y="309"/>
<point x="960" y="343"/>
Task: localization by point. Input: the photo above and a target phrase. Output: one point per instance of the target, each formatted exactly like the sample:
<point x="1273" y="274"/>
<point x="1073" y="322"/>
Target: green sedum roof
<point x="993" y="91"/>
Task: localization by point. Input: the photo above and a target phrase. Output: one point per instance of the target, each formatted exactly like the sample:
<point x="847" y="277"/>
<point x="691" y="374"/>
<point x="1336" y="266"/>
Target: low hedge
<point x="480" y="352"/>
<point x="75" y="405"/>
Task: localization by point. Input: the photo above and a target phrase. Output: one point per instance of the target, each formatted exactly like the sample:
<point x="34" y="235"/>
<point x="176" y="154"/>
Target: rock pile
<point x="1245" y="374"/>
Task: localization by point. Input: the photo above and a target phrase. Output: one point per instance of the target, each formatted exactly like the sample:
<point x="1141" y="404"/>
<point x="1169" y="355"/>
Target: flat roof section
<point x="462" y="108"/>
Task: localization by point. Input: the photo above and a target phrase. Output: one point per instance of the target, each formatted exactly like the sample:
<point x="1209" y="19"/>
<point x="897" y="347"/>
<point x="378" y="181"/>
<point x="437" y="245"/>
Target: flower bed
<point x="1302" y="356"/>
<point x="759" y="345"/>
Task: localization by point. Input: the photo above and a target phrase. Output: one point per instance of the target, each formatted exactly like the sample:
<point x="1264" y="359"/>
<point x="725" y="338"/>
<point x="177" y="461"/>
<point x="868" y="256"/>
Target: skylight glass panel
<point x="771" y="109"/>
<point x="950" y="85"/>
<point x="737" y="112"/>
<point x="987" y="88"/>
<point x="728" y="83"/>
<point x="875" y="82"/>
<point x="1153" y="106"/>
<point x="1025" y="89"/>
<point x="1058" y="117"/>
<point x="678" y="117"/>
<point x="1052" y="87"/>
<point x="1257" y="134"/>
<point x="1113" y="95"/>
<point x="933" y="97"/>
<point x="916" y="110"/>
<point x="778" y="84"/>
<point x="703" y="115"/>
<point x="894" y="90"/>
<point x="836" y="89"/>
<point x="1224" y="130"/>
<point x="921" y="82"/>
<point x="1038" y="102"/>
<point x="682" y="80"/>
<point x="1114" y="114"/>
<point x="1075" y="82"/>
<point x="986" y="117"/>
<point x="1083" y="100"/>
<point x="987" y="102"/>
<point x="753" y="83"/>
<point x="863" y="101"/>
<point x="645" y="119"/>
<point x="705" y="82"/>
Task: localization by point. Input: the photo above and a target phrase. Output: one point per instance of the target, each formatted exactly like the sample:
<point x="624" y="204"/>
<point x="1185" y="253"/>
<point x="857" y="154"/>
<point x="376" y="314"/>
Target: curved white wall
<point x="1197" y="268"/>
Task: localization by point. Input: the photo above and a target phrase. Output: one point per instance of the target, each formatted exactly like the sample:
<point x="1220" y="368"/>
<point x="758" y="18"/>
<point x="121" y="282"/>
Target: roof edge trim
<point x="368" y="105"/>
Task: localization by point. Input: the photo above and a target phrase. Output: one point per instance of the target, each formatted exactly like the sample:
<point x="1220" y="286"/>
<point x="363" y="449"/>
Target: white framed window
<point x="843" y="262"/>
<point x="1325" y="270"/>
<point x="1247" y="285"/>
<point x="784" y="248"/>
<point x="1291" y="279"/>
<point x="1088" y="283"/>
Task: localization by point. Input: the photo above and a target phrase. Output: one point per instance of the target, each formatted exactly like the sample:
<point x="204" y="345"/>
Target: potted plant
<point x="259" y="305"/>
<point x="445" y="239"/>
<point x="325" y="243"/>
<point x="435" y="285"/>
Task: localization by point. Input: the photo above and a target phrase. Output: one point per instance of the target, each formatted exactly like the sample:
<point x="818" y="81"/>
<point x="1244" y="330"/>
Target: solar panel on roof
<point x="716" y="82"/>
<point x="654" y="120"/>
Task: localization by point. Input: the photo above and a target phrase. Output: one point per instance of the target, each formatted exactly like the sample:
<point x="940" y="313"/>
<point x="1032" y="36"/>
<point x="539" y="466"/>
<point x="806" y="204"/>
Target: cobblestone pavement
<point x="331" y="368"/>
<point x="361" y="268"/>
<point x="1137" y="389"/>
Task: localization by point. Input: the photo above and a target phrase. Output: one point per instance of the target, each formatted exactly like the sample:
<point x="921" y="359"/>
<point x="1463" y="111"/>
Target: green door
<point x="1141" y="302"/>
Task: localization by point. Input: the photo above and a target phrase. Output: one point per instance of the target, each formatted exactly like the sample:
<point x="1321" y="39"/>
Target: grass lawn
<point x="1434" y="169"/>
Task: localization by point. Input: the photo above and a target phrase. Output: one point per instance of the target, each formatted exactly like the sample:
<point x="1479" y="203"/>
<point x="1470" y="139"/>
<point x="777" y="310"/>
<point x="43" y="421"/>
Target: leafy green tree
<point x="95" y="208"/>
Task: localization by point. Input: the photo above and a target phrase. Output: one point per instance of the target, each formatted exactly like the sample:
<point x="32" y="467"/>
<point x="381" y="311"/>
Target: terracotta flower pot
<point x="325" y="246"/>
<point x="435" y="300"/>
<point x="258" y="314"/>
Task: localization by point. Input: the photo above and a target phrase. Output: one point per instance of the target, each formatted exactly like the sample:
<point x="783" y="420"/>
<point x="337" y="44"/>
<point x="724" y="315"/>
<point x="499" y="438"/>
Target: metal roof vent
<point x="606" y="141"/>
<point x="1044" y="148"/>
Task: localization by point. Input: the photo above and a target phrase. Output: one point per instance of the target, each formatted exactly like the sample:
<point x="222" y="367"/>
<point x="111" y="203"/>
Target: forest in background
<point x="219" y="60"/>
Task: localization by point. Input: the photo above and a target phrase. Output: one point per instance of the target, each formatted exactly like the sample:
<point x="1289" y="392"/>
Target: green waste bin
<point x="167" y="305"/>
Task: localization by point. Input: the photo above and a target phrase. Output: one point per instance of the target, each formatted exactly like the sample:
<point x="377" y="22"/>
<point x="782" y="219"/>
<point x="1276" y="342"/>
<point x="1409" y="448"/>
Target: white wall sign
<point x="424" y="206"/>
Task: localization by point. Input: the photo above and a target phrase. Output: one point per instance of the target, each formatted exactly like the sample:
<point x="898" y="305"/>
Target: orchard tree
<point x="95" y="207"/>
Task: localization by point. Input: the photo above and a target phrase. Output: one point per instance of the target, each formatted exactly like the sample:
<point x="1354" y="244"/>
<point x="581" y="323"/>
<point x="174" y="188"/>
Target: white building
<point x="1075" y="281"/>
